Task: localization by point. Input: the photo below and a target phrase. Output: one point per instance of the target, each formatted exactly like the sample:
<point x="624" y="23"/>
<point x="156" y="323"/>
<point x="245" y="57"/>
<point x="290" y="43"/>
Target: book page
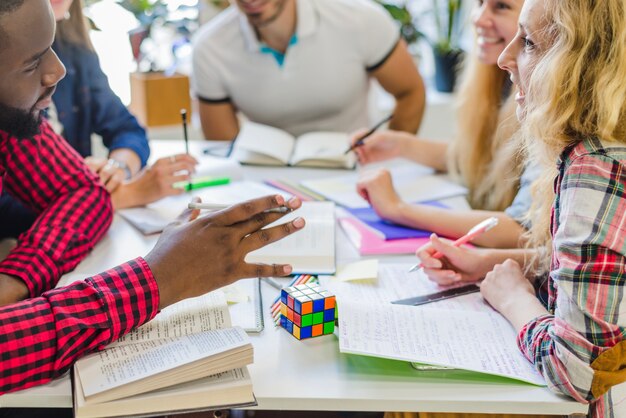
<point x="262" y="144"/>
<point x="478" y="341"/>
<point x="120" y="365"/>
<point x="395" y="283"/>
<point x="189" y="316"/>
<point x="310" y="250"/>
<point x="323" y="149"/>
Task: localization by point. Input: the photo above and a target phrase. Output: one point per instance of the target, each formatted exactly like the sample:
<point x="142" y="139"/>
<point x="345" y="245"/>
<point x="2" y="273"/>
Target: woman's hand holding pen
<point x="155" y="182"/>
<point x="458" y="264"/>
<point x="377" y="188"/>
<point x="197" y="254"/>
<point x="380" y="145"/>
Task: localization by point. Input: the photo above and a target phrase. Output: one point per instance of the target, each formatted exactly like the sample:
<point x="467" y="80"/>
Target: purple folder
<point x="388" y="229"/>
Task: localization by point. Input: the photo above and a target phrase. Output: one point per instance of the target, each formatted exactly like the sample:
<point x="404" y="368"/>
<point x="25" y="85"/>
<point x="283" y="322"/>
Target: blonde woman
<point x="483" y="156"/>
<point x="568" y="61"/>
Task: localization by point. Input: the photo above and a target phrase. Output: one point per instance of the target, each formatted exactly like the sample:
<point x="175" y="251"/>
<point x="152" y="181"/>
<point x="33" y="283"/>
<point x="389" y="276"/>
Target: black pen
<point x="360" y="141"/>
<point x="183" y="114"/>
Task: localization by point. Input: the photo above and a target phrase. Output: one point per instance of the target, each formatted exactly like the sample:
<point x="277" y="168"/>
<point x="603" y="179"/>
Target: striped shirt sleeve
<point x="41" y="338"/>
<point x="587" y="278"/>
<point x="74" y="208"/>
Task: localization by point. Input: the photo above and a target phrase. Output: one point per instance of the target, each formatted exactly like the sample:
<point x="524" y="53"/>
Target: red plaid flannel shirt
<point x="41" y="337"/>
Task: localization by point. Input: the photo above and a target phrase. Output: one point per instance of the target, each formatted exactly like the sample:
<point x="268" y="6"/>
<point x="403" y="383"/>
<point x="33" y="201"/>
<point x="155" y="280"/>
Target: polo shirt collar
<point x="307" y="24"/>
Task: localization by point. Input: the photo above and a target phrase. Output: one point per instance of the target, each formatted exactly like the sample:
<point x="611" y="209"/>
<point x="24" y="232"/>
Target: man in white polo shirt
<point x="302" y="66"/>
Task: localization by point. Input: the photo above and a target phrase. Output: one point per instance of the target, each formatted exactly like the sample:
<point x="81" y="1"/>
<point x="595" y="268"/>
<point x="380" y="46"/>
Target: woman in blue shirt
<point x="85" y="104"/>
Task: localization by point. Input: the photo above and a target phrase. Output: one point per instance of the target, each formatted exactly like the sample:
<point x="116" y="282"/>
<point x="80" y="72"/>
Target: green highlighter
<point x="202" y="182"/>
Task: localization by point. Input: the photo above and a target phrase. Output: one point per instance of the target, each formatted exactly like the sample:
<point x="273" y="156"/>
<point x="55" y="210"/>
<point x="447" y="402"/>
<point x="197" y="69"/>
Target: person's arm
<point x="121" y="133"/>
<point x="219" y="120"/>
<point x="155" y="182"/>
<point x="65" y="324"/>
<point x="384" y="145"/>
<point x="578" y="348"/>
<point x="42" y="337"/>
<point x="464" y="264"/>
<point x="377" y="189"/>
<point x="75" y="209"/>
<point x="399" y="77"/>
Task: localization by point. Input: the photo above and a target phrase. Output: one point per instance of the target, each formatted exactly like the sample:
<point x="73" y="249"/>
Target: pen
<point x="272" y="283"/>
<point x="360" y="141"/>
<point x="202" y="182"/>
<point x="220" y="206"/>
<point x="476" y="231"/>
<point x="183" y="114"/>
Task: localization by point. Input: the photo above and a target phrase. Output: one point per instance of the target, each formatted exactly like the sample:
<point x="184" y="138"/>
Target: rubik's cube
<point x="307" y="311"/>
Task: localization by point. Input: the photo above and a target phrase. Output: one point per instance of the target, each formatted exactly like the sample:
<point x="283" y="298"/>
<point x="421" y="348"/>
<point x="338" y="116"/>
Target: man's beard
<point x="19" y="123"/>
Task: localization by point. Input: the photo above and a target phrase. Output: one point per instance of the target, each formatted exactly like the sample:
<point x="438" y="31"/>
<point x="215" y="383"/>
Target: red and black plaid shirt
<point x="41" y="337"/>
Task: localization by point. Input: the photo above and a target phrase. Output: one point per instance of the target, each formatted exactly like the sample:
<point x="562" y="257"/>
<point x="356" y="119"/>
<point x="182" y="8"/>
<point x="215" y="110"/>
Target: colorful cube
<point x="307" y="311"/>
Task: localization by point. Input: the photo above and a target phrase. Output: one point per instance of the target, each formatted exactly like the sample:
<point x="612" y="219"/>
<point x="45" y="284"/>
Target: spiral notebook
<point x="247" y="312"/>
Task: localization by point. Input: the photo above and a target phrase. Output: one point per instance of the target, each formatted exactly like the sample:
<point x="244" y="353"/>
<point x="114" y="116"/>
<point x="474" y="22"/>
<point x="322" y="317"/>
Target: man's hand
<point x="195" y="255"/>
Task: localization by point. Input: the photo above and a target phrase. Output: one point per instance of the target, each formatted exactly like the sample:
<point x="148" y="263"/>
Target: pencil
<point x="476" y="231"/>
<point x="183" y="114"/>
<point x="360" y="141"/>
<point x="219" y="206"/>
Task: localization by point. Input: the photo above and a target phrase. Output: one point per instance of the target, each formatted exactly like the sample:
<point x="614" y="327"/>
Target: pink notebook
<point x="369" y="243"/>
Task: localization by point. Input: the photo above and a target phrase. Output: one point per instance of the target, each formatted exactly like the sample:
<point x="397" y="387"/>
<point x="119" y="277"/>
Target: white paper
<point x="156" y="216"/>
<point x="414" y="183"/>
<point x="310" y="250"/>
<point x="477" y="341"/>
<point x="323" y="149"/>
<point x="394" y="283"/>
<point x="189" y="316"/>
<point x="120" y="365"/>
<point x="262" y="144"/>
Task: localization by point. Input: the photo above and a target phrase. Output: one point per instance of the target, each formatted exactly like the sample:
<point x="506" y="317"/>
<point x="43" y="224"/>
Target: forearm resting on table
<point x="11" y="290"/>
<point x="456" y="223"/>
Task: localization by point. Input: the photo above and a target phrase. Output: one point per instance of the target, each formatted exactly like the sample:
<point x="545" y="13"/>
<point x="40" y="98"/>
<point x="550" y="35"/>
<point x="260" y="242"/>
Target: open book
<point x="265" y="145"/>
<point x="309" y="251"/>
<point x="463" y="332"/>
<point x="187" y="357"/>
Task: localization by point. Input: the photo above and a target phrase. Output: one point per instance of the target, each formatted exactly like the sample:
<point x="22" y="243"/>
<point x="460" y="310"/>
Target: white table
<point x="312" y="375"/>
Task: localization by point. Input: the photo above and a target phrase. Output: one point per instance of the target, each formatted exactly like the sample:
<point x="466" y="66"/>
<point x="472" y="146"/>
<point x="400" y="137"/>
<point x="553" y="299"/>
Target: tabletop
<point x="312" y="375"/>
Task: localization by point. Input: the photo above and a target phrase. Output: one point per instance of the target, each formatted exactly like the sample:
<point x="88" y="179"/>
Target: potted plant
<point x="443" y="38"/>
<point x="446" y="49"/>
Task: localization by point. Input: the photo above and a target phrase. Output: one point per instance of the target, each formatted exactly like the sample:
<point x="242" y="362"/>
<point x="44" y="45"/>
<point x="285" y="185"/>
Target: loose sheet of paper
<point x="414" y="183"/>
<point x="156" y="216"/>
<point x="394" y="283"/>
<point x="478" y="341"/>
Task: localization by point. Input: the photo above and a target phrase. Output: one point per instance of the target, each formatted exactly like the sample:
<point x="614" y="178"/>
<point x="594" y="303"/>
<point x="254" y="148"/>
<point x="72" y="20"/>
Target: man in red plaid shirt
<point x="44" y="330"/>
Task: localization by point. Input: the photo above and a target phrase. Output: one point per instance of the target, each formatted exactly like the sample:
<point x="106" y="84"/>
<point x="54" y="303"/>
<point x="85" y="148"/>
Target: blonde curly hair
<point x="576" y="91"/>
